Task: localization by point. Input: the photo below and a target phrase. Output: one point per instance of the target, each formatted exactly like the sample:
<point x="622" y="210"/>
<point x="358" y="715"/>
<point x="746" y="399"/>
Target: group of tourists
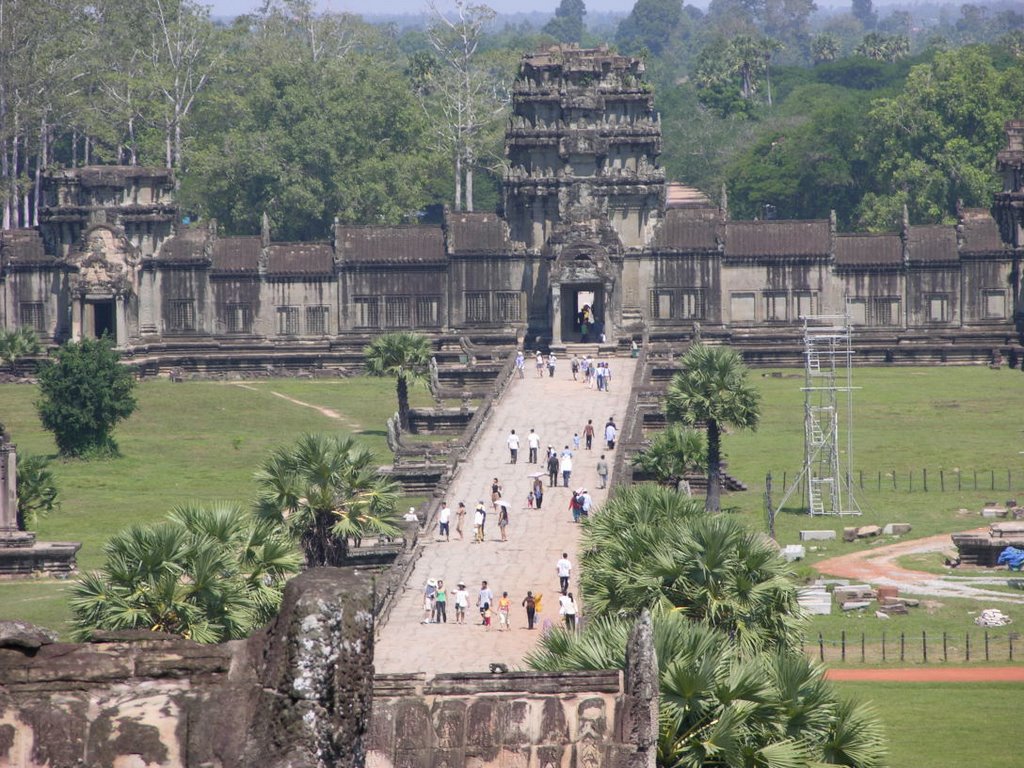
<point x="496" y="612"/>
<point x="594" y="373"/>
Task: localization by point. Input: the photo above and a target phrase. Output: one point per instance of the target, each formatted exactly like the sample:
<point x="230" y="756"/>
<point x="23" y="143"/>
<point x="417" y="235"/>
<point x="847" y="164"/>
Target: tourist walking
<point x="552" y="469"/>
<point x="588" y="434"/>
<point x="444" y="520"/>
<point x="479" y="518"/>
<point x="513" y="447"/>
<point x="538" y="492"/>
<point x="495" y="494"/>
<point x="540" y="365"/>
<point x="461" y="597"/>
<point x="521" y="365"/>
<point x="530" y="604"/>
<point x="533" y="443"/>
<point x="564" y="569"/>
<point x="565" y="466"/>
<point x="610" y="433"/>
<point x="599" y="375"/>
<point x="441" y="603"/>
<point x="460" y="518"/>
<point x="574" y="366"/>
<point x="504" y="608"/>
<point x="429" y="593"/>
<point x="567" y="610"/>
<point x="551" y="365"/>
<point x="503" y="519"/>
<point x="484" y="598"/>
<point x="602" y="471"/>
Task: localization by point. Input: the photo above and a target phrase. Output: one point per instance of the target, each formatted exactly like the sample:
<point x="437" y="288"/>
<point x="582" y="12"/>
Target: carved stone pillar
<point x="120" y="321"/>
<point x="556" y="314"/>
<point x="76" y="317"/>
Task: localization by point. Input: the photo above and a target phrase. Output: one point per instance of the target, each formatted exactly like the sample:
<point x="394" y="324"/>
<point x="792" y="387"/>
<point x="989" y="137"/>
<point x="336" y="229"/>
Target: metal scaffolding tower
<point x="825" y="481"/>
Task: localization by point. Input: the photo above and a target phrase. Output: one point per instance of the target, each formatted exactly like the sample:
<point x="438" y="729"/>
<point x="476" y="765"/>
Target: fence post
<point x="924" y="646"/>
<point x="986" y="645"/>
<point x="924" y="473"/>
<point x="945" y="648"/>
<point x="959" y="479"/>
<point x="1010" y="638"/>
<point x="903" y="641"/>
<point x="842" y="645"/>
<point x="894" y="479"/>
<point x="975" y="479"/>
<point x="879" y="479"/>
<point x="992" y="479"/>
<point x="942" y="481"/>
<point x="967" y="645"/>
<point x="883" y="645"/>
<point x="860" y="472"/>
<point x="910" y="481"/>
<point x="862" y="648"/>
<point x="821" y="647"/>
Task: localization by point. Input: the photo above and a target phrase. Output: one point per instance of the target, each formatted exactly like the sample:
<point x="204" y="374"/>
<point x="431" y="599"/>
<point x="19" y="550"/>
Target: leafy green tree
<point x="37" y="490"/>
<point x="308" y="134"/>
<point x="864" y="12"/>
<point x="652" y="548"/>
<point x="713" y="389"/>
<point x="721" y="707"/>
<point x="406" y="357"/>
<point x="824" y="47"/>
<point x="19" y="343"/>
<point x="674" y="452"/>
<point x="567" y="25"/>
<point x="207" y="573"/>
<point x="83" y="393"/>
<point x="881" y="47"/>
<point x="932" y="144"/>
<point x="650" y="25"/>
<point x="324" y="490"/>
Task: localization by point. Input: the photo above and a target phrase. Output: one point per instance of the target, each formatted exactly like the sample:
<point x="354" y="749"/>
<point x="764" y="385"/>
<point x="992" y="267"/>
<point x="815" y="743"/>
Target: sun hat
<point x="431" y="582"/>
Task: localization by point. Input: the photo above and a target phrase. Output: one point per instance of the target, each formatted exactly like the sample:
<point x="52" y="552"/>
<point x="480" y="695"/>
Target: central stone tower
<point x="583" y="186"/>
<point x="582" y="148"/>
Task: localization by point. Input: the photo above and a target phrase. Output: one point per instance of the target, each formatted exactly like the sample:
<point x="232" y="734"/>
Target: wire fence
<point x="915" y="648"/>
<point x="925" y="480"/>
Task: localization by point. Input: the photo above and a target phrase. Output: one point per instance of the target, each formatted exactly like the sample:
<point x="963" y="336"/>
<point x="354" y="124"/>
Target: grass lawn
<point x="192" y="440"/>
<point x="945" y="725"/>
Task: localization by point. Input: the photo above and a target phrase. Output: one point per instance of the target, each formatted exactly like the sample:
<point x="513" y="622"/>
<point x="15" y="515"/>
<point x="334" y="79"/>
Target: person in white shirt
<point x="444" y="520"/>
<point x="609" y="434"/>
<point x="565" y="465"/>
<point x="564" y="568"/>
<point x="533" y="443"/>
<point x="567" y="610"/>
<point x="513" y="447"/>
<point x="461" y="597"/>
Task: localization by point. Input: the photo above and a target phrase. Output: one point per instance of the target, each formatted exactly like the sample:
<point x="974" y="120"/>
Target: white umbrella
<point x="503" y="503"/>
<point x="538" y="474"/>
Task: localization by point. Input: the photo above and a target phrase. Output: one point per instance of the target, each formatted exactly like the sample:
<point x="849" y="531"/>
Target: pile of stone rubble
<point x="992" y="617"/>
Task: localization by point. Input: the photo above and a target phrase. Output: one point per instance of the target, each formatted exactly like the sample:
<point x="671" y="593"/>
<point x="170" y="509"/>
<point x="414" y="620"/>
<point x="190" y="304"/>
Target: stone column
<point x="76" y="317"/>
<point x="120" y="320"/>
<point x="8" y="488"/>
<point x="639" y="722"/>
<point x="556" y="314"/>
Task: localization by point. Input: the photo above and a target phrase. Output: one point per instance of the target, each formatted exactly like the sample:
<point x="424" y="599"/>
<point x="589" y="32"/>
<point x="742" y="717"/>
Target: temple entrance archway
<point x="577" y="299"/>
<point x="100" y="319"/>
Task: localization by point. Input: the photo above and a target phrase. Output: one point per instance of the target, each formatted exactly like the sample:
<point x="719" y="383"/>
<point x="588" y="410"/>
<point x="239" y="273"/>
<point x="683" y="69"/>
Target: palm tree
<point x="712" y="389"/>
<point x="406" y="356"/>
<point x="652" y="549"/>
<point x="324" y="490"/>
<point x="674" y="452"/>
<point x="17" y="344"/>
<point x="720" y="707"/>
<point x="824" y="48"/>
<point x="207" y="573"/>
<point x="37" y="490"/>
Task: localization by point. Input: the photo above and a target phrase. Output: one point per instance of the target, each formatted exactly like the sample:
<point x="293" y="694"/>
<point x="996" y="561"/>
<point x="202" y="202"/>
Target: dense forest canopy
<point x="311" y="117"/>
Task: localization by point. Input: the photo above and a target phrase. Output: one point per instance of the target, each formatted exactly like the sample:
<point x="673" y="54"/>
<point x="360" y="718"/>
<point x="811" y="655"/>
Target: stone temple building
<point x="588" y="220"/>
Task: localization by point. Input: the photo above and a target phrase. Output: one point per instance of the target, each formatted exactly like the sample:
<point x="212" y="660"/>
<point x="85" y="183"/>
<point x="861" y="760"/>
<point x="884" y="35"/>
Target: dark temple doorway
<point x="582" y="313"/>
<point x="103" y="322"/>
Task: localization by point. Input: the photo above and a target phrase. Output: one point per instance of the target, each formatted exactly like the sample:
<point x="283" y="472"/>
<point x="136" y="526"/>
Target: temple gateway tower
<point x="583" y="187"/>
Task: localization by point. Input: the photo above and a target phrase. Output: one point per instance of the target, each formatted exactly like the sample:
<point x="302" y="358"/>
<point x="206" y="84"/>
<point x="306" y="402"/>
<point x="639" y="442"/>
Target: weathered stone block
<point x="867" y="531"/>
<point x="553" y="723"/>
<point x="449" y="724"/>
<point x="849" y="534"/>
<point x="412" y="725"/>
<point x="817" y="535"/>
<point x="896" y="529"/>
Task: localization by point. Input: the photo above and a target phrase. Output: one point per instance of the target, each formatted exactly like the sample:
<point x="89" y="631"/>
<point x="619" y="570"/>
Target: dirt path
<point x="878" y="566"/>
<point x="930" y="675"/>
<point x="328" y="412"/>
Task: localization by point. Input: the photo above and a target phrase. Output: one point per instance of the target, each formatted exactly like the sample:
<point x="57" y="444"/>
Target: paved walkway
<point x="555" y="409"/>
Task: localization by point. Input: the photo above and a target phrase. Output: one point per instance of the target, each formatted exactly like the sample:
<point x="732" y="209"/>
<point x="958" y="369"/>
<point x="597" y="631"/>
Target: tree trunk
<point x="458" y="181"/>
<point x="402" y="387"/>
<point x="469" y="180"/>
<point x="712" y="502"/>
<point x="319" y="544"/>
